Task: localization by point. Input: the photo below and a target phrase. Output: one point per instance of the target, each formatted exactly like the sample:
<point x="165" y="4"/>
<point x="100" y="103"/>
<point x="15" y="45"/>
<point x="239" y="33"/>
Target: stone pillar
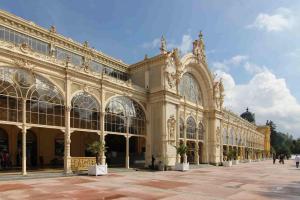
<point x="24" y="131"/>
<point x="127" y="152"/>
<point x="184" y="142"/>
<point x="197" y="153"/>
<point x="102" y="154"/>
<point x="67" y="152"/>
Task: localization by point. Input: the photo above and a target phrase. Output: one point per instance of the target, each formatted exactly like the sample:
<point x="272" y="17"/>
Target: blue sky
<point x="252" y="45"/>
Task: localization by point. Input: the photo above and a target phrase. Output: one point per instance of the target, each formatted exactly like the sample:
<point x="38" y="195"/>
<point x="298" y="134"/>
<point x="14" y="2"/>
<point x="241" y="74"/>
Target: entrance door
<point x="31" y="149"/>
<point x="4" y="152"/>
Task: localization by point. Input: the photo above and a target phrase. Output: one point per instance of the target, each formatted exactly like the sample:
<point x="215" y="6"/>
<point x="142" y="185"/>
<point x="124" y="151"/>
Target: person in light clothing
<point x="297" y="159"/>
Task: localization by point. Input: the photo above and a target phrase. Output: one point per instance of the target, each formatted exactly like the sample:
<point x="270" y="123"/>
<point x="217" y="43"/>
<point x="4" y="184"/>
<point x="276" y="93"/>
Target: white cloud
<point x="267" y="96"/>
<point x="238" y="61"/>
<point x="151" y="45"/>
<point x="282" y="19"/>
<point x="185" y="45"/>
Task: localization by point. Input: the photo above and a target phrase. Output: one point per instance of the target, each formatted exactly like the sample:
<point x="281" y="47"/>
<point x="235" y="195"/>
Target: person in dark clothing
<point x="281" y="159"/>
<point x="274" y="158"/>
<point x="152" y="162"/>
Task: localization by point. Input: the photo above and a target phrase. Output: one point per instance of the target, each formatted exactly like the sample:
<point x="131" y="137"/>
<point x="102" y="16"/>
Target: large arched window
<point x="189" y="88"/>
<point x="123" y="115"/>
<point x="231" y="137"/>
<point x="225" y="136"/>
<point x="181" y="128"/>
<point x="45" y="104"/>
<point x="190" y="128"/>
<point x="200" y="131"/>
<point x="85" y="113"/>
<point x="10" y="96"/>
<point x="239" y="139"/>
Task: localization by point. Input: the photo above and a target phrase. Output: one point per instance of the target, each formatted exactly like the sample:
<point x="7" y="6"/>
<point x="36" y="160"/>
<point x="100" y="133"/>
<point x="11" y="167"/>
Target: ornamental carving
<point x="171" y="129"/>
<point x="218" y="93"/>
<point x="170" y="71"/>
<point x="25" y="48"/>
<point x="173" y="69"/>
<point x="86" y="63"/>
<point x="23" y="63"/>
<point x="199" y="49"/>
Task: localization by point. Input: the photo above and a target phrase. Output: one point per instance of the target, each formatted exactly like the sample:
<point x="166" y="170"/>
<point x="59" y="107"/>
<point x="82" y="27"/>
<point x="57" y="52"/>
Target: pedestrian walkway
<point x="257" y="180"/>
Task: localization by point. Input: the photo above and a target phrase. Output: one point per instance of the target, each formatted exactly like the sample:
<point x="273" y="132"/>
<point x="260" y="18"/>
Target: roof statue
<point x="199" y="48"/>
<point x="163" y="45"/>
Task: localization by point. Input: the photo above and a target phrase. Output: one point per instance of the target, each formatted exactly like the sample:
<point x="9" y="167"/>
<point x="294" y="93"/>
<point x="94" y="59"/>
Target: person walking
<point x="297" y="160"/>
<point x="274" y="158"/>
<point x="281" y="159"/>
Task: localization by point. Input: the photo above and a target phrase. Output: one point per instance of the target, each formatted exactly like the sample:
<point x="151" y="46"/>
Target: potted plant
<point x="228" y="161"/>
<point x="235" y="157"/>
<point x="98" y="149"/>
<point x="181" y="150"/>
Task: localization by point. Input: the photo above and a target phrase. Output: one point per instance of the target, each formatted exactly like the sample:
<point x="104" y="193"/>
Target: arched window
<point x="189" y="88"/>
<point x="10" y="96"/>
<point x="123" y="115"/>
<point x="45" y="104"/>
<point x="181" y="128"/>
<point x="225" y="136"/>
<point x="231" y="137"/>
<point x="239" y="139"/>
<point x="191" y="128"/>
<point x="200" y="131"/>
<point x="85" y="112"/>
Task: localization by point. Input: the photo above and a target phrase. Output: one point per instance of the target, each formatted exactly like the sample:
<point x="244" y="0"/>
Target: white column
<point x="67" y="154"/>
<point x="127" y="151"/>
<point x="24" y="172"/>
<point x="102" y="154"/>
<point x="184" y="142"/>
<point x="177" y="132"/>
<point x="197" y="153"/>
<point x="24" y="131"/>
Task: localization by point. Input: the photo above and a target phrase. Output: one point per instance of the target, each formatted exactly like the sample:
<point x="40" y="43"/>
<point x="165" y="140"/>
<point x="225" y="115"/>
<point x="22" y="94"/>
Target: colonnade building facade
<point x="57" y="96"/>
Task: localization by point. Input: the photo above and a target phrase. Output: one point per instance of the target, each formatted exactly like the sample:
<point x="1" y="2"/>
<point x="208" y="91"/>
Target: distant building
<point x="57" y="96"/>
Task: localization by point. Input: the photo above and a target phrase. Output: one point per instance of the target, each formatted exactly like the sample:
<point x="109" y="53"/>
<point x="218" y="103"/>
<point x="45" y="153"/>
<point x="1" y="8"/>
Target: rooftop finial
<point x="200" y="35"/>
<point x="86" y="44"/>
<point x="52" y="29"/>
<point x="163" y="45"/>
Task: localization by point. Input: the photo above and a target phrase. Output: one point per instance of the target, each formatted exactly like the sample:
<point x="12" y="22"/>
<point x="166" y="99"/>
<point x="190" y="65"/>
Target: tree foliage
<point x="283" y="143"/>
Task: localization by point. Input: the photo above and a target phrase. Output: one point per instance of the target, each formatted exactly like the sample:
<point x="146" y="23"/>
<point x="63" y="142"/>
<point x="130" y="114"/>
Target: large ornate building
<point x="57" y="96"/>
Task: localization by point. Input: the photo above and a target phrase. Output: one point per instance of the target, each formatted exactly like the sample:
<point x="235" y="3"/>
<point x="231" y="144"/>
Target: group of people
<point x="281" y="159"/>
<point x="4" y="160"/>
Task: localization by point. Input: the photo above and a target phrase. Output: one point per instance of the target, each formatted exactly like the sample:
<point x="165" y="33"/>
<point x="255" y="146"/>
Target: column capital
<point x="68" y="108"/>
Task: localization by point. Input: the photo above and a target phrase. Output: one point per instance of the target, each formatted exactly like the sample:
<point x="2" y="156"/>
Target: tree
<point x="97" y="148"/>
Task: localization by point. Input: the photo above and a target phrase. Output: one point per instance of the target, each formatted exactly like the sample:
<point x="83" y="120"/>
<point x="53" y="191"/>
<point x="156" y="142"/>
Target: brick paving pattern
<point x="259" y="180"/>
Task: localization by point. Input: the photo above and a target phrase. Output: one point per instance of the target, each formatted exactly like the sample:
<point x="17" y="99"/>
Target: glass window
<point x="201" y="131"/>
<point x="189" y="88"/>
<point x="181" y="128"/>
<point x="85" y="113"/>
<point x="225" y="136"/>
<point x="45" y="104"/>
<point x="190" y="128"/>
<point x="122" y="114"/>
<point x="19" y="38"/>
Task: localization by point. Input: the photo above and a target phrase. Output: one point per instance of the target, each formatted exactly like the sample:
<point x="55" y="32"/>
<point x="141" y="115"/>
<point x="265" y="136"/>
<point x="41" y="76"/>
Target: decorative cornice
<point x="29" y="28"/>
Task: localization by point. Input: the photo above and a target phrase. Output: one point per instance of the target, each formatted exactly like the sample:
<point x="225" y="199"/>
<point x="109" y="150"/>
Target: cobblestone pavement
<point x="259" y="180"/>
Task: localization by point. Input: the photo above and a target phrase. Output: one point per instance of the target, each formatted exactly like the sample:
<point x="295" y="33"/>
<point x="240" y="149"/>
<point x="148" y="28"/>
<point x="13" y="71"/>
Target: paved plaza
<point x="259" y="180"/>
